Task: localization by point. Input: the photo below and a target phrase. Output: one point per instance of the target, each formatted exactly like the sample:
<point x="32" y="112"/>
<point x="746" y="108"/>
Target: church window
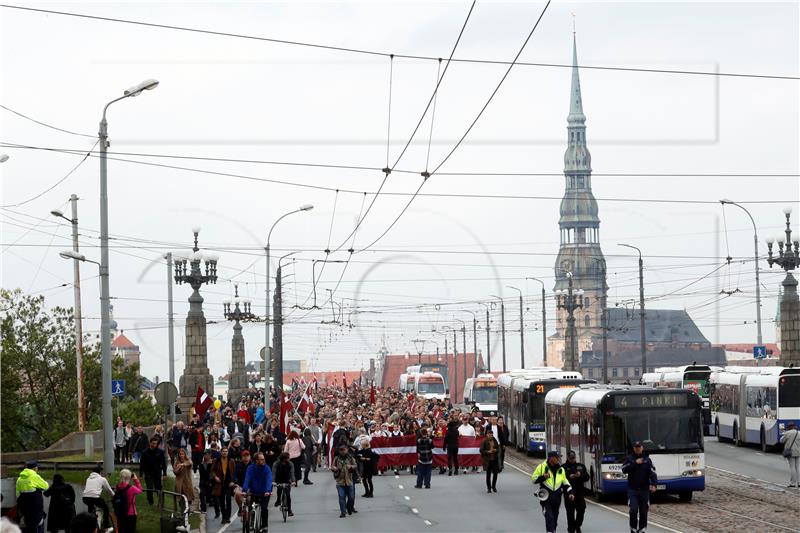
<point x="586" y="320"/>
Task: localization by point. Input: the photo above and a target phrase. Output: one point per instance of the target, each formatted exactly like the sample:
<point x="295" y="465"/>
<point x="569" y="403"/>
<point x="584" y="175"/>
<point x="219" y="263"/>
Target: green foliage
<point x="39" y="376"/>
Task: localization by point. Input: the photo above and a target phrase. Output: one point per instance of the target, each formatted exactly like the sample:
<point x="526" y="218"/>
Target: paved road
<point x="746" y="460"/>
<point x="453" y="504"/>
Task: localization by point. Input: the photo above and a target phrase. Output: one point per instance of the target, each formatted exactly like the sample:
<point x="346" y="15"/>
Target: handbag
<point x="787" y="450"/>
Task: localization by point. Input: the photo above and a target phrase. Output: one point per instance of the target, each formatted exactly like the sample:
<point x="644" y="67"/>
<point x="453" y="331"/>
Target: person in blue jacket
<point x="642" y="481"/>
<point x="258" y="483"/>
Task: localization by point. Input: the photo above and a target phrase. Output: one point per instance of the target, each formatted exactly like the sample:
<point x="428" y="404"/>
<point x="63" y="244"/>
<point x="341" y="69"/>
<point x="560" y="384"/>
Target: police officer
<point x="553" y="479"/>
<point x="577" y="476"/>
<point x="641" y="482"/>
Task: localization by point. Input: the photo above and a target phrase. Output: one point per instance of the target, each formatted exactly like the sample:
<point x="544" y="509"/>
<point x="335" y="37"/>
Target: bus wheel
<point x="685" y="495"/>
<point x="764" y="446"/>
<point x="720" y="438"/>
<point x="736" y="441"/>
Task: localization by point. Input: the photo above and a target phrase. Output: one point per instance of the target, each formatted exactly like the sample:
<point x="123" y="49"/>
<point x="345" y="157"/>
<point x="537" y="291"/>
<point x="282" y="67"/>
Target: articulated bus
<point x="407" y="382"/>
<point x="520" y="400"/>
<point x="754" y="407"/>
<point x="481" y="390"/>
<point x="692" y="377"/>
<point x="601" y="423"/>
<point x="430" y="385"/>
<point x="439" y="368"/>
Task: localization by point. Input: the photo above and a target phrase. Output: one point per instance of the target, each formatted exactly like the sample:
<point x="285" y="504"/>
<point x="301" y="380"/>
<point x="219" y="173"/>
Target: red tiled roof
<point x="121" y="341"/>
<point x="395" y="365"/>
<point x="748" y="348"/>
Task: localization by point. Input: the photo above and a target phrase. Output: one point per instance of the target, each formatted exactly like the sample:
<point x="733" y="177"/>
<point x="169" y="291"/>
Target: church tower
<point x="579" y="225"/>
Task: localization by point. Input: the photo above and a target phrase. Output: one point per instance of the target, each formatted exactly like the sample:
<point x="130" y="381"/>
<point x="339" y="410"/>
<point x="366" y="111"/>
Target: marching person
<point x="451" y="446"/>
<point x="424" y="458"/>
<point x="238" y="479"/>
<point x="641" y="482"/>
<point x="344" y="470"/>
<point x="124" y="501"/>
<point x="183" y="475"/>
<point x="258" y="482"/>
<point x="791" y="450"/>
<point x="153" y="467"/>
<point x="550" y="475"/>
<point x="465" y="430"/>
<point x="62" y="505"/>
<point x="309" y="457"/>
<point x="30" y="501"/>
<point x="490" y="451"/>
<point x="577" y="476"/>
<point x="501" y="434"/>
<point x="369" y="466"/>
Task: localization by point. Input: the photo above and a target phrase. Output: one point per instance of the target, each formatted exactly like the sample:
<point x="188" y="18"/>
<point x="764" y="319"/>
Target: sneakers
<point x="342" y="515"/>
<point x="290" y="513"/>
<point x="494" y="489"/>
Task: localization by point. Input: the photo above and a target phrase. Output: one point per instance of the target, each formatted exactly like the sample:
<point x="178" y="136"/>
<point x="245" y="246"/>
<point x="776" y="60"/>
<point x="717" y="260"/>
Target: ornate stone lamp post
<point x="788" y="259"/>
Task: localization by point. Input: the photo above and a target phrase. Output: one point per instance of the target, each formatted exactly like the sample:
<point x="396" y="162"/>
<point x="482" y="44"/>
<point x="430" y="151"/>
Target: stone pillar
<point x="238" y="381"/>
<point x="790" y="323"/>
<point x="195" y="372"/>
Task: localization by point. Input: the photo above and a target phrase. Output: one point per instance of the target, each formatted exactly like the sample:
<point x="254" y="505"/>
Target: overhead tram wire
<point x="333" y="166"/>
<point x="46" y="125"/>
<point x="363" y="51"/>
<point x="426" y="175"/>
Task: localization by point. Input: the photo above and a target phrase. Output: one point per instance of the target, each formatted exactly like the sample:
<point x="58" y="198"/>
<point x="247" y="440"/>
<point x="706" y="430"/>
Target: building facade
<point x="579" y="224"/>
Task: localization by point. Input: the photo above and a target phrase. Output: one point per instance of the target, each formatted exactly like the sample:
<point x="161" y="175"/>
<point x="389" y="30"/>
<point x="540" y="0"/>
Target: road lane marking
<point x="401" y="486"/>
<point x="408" y="498"/>
<point x="428" y="523"/>
<point x="414" y="510"/>
<point x="650" y="522"/>
<point x="226" y="526"/>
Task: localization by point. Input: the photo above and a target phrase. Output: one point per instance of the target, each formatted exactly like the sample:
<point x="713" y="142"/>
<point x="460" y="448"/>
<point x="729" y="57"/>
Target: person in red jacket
<point x="125" y="501"/>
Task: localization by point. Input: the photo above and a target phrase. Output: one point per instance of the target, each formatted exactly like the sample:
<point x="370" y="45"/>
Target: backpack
<point x="119" y="502"/>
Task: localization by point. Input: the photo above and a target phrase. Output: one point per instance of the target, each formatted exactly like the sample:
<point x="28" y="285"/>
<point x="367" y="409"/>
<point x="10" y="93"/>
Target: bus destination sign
<point x="639" y="401"/>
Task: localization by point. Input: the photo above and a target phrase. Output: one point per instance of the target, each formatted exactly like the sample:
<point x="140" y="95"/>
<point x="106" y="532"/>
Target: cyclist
<point x="283" y="474"/>
<point x="258" y="482"/>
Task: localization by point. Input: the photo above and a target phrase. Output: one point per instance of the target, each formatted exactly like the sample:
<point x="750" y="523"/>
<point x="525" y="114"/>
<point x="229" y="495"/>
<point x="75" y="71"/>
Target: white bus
<point x="755" y="407"/>
<point x="482" y="391"/>
<point x="692" y="377"/>
<point x="601" y="423"/>
<point x="520" y="400"/>
<point x="430" y="386"/>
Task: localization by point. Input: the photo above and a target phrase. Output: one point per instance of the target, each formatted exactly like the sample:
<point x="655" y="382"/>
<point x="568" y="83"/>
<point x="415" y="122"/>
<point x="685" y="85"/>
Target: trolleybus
<point x="692" y="377"/>
<point x="430" y="386"/>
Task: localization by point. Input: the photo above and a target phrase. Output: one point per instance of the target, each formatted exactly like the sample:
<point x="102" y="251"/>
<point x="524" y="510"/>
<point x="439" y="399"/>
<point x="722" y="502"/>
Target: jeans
<point x="639" y="502"/>
<point x="424" y="474"/>
<point x="137" y="456"/>
<point x="347" y="498"/>
<point x="550" y="511"/>
<point x="575" y="510"/>
<point x="794" y="470"/>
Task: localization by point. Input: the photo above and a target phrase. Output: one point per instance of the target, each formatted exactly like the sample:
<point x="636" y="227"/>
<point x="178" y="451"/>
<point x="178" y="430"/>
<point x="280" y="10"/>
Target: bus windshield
<point x="484" y="395"/>
<point x="660" y="430"/>
<point x="789" y="391"/>
<point x="697" y="381"/>
<point x="433" y="387"/>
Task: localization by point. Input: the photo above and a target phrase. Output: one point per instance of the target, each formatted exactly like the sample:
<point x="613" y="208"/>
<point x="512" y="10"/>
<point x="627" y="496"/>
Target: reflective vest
<point x="553" y="482"/>
<point x="29" y="481"/>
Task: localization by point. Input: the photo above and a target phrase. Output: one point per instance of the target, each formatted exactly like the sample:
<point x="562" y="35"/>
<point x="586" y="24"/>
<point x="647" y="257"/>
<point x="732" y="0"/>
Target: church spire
<point x="576" y="115"/>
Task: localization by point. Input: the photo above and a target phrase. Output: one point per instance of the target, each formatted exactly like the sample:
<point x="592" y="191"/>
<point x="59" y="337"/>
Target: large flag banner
<point x="285" y="414"/>
<point x="306" y="404"/>
<point x="402" y="451"/>
<point x="202" y="402"/>
<point x="344" y="381"/>
<point x="372" y="394"/>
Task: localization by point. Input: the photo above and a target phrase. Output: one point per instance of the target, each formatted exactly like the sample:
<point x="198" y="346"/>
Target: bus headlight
<point x="693" y="473"/>
<point x="614" y="475"/>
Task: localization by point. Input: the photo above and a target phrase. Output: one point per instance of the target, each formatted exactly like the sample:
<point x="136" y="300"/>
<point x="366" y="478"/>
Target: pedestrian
<point x="791" y="450"/>
<point x="271" y="449"/>
<point x="153" y="467"/>
<point x="369" y="467"/>
<point x="553" y="481"/>
<point x="93" y="494"/>
<point x="204" y="487"/>
<point x="344" y="471"/>
<point x="197" y="443"/>
<point x="316" y="434"/>
<point x="124" y="501"/>
<point x="178" y="438"/>
<point x="577" y="476"/>
<point x="222" y="473"/>
<point x="451" y="446"/>
<point x="62" y="505"/>
<point x="490" y="455"/>
<point x="183" y="475"/>
<point x="424" y="459"/>
<point x="137" y="444"/>
<point x="641" y="482"/>
<point x="126" y="451"/>
<point x="465" y="430"/>
<point x="235" y="450"/>
<point x="258" y="483"/>
<point x="30" y="500"/>
<point x="283" y="472"/>
<point x="239" y="474"/>
<point x="120" y="442"/>
<point x="294" y="447"/>
<point x="308" y="455"/>
<point x="501" y="434"/>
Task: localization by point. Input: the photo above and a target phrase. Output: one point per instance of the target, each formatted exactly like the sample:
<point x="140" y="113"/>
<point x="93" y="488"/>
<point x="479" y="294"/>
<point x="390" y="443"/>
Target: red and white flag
<point x="372" y="394"/>
<point x="344" y="381"/>
<point x="402" y="451"/>
<point x="202" y="402"/>
<point x="285" y="415"/>
<point x="306" y="404"/>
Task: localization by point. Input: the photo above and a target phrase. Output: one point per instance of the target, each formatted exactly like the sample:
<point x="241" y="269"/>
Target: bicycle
<point x="251" y="516"/>
<point x="284" y="505"/>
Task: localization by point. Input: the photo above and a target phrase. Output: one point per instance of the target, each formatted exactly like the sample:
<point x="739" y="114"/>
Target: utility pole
<point x="170" y="329"/>
<point x="567" y="300"/>
<point x="277" y="340"/>
<point x="488" y="340"/>
<point x="642" y="336"/>
<point x="521" y="330"/>
<point x="502" y="328"/>
<point x="544" y="322"/>
<point x="604" y="320"/>
<point x="475" y="345"/>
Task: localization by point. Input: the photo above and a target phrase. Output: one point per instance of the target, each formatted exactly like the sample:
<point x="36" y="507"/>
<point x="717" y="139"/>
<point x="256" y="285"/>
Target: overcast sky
<point x="235" y="98"/>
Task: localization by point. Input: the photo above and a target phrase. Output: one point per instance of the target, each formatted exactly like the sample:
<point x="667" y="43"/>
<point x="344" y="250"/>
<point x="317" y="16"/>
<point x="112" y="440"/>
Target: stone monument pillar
<point x="237" y="385"/>
<point x="195" y="373"/>
<point x="790" y="323"/>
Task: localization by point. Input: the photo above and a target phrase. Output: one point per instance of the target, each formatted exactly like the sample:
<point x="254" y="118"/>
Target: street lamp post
<point x="419" y="344"/>
<point x="570" y="302"/>
<point x="278" y="364"/>
<point x="464" y="345"/>
<point x="789" y="260"/>
<point x="488" y="340"/>
<point x="544" y="322"/>
<point x="502" y="327"/>
<point x="105" y="310"/>
<point x="474" y="343"/>
<point x="521" y="329"/>
<point x="604" y="318"/>
<point x="76" y="285"/>
<point x="643" y="338"/>
<point x="758" y="282"/>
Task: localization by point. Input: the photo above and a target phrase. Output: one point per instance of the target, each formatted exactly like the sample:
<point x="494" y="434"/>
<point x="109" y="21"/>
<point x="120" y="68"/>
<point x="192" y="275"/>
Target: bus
<point x="430" y="386"/>
<point x="407" y="382"/>
<point x="755" y="407"/>
<point x="439" y="368"/>
<point x="482" y="390"/>
<point x="520" y="400"/>
<point x="692" y="377"/>
<point x="600" y="423"/>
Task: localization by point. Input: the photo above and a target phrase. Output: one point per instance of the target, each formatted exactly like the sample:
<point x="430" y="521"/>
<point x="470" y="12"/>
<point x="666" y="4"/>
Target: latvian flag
<point x="402" y="451"/>
<point x="306" y="404"/>
<point x="202" y="402"/>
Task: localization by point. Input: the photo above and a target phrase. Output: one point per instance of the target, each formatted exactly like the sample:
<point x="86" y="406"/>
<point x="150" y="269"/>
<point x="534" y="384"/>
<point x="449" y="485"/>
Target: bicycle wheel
<point x="245" y="520"/>
<point x="255" y="519"/>
<point x="284" y="507"/>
